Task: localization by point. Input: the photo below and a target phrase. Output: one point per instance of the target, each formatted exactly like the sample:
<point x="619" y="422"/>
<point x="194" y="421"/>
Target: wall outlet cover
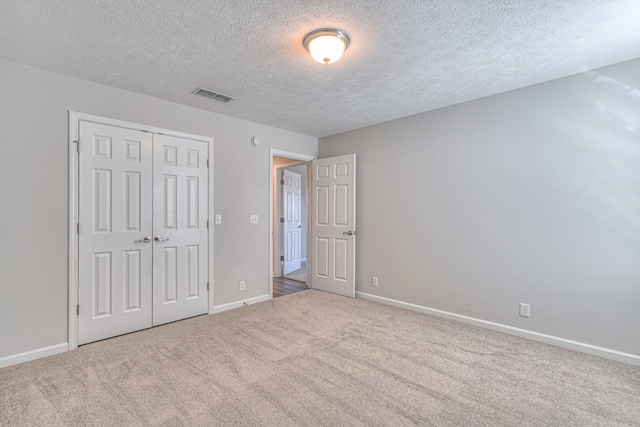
<point x="525" y="310"/>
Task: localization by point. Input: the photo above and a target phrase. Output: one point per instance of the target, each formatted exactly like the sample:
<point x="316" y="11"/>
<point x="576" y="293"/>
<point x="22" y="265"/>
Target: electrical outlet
<point x="253" y="219"/>
<point x="218" y="219"/>
<point x="243" y="286"/>
<point x="374" y="282"/>
<point x="525" y="310"/>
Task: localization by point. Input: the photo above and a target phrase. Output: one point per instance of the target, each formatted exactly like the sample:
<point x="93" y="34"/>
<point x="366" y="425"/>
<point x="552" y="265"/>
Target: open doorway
<point x="330" y="247"/>
<point x="290" y="225"/>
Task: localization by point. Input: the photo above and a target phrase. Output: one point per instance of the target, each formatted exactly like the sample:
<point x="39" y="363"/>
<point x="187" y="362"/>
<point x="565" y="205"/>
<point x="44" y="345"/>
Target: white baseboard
<point x="303" y="260"/>
<point x="33" y="354"/>
<point x="237" y="304"/>
<point x="534" y="336"/>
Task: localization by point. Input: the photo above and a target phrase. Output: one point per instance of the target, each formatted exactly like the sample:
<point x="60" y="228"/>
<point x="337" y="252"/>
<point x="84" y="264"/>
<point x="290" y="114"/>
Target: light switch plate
<point x="218" y="219"/>
<point x="253" y="219"/>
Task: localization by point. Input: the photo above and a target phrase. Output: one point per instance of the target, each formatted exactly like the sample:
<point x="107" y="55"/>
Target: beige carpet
<point x="313" y="358"/>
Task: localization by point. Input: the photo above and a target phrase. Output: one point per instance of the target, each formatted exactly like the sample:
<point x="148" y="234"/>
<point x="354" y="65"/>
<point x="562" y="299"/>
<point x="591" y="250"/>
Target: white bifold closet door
<point x="143" y="241"/>
<point x="115" y="211"/>
<point x="180" y="212"/>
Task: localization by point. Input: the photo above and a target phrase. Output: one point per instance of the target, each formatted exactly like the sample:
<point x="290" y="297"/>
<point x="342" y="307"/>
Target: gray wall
<point x="34" y="180"/>
<point x="528" y="196"/>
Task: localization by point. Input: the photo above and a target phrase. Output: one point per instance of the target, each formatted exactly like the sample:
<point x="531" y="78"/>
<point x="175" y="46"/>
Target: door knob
<point x="160" y="239"/>
<point x="349" y="233"/>
<point x="145" y="239"/>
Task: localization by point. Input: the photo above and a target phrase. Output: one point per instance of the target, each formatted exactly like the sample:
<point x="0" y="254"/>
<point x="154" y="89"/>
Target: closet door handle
<point x="145" y="239"/>
<point x="160" y="239"/>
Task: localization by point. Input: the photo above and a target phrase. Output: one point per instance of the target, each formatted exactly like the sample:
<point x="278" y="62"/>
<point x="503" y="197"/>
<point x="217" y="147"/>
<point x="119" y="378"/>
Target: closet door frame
<point x="74" y="124"/>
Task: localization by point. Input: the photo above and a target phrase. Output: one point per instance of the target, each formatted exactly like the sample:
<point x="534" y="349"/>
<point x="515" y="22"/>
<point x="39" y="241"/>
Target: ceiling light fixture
<point x="326" y="45"/>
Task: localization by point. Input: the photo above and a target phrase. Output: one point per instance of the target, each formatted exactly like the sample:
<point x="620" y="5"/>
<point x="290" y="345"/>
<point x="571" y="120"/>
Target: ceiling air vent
<point x="213" y="95"/>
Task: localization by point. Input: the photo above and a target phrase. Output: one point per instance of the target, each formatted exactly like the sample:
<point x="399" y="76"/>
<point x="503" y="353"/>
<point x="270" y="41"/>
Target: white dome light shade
<point x="326" y="45"/>
<point x="327" y="49"/>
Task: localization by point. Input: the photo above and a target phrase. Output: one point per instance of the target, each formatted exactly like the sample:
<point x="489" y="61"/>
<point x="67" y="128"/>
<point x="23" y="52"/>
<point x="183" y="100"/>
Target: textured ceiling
<point x="406" y="56"/>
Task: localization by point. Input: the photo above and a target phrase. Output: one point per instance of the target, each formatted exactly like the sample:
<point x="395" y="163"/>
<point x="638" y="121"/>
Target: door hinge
<point x="281" y="257"/>
<point x="282" y="182"/>
<point x="78" y="228"/>
<point x="207" y="285"/>
<point x="281" y="219"/>
<point x="77" y="142"/>
<point x="207" y="224"/>
<point x="78" y="309"/>
<point x="207" y="162"/>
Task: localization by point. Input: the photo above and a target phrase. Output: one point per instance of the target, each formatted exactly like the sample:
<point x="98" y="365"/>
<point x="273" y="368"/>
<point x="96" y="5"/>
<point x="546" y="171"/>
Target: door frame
<point x="73" y="266"/>
<point x="272" y="181"/>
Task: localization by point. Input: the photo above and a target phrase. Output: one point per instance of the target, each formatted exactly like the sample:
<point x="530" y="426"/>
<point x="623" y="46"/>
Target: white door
<point x="115" y="231"/>
<point x="180" y="212"/>
<point x="292" y="221"/>
<point x="333" y="225"/>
